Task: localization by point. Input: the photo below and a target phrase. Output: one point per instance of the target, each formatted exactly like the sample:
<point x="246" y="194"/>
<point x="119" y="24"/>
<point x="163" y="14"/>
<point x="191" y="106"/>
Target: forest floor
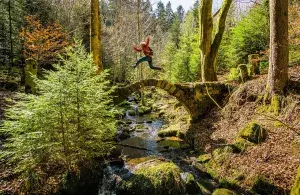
<point x="277" y="158"/>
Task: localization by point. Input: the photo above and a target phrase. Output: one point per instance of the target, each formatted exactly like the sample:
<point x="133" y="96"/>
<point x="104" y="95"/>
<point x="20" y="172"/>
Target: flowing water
<point x="141" y="144"/>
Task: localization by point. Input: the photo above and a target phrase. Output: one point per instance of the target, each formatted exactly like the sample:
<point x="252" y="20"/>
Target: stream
<point x="142" y="145"/>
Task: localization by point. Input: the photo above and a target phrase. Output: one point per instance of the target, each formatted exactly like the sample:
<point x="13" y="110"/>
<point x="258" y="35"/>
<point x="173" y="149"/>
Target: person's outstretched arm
<point x="136" y="49"/>
<point x="147" y="41"/>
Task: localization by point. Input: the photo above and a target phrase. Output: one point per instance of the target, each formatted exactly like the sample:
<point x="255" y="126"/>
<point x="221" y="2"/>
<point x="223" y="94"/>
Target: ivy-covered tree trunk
<point x="96" y="35"/>
<point x="279" y="51"/>
<point x="208" y="47"/>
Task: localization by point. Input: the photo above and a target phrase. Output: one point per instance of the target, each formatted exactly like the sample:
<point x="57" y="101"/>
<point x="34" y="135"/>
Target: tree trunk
<point x="279" y="51"/>
<point x="140" y="71"/>
<point x="11" y="55"/>
<point x="96" y="48"/>
<point x="208" y="48"/>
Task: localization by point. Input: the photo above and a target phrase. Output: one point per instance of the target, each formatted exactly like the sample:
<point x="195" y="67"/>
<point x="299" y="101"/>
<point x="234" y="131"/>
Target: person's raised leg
<point x="149" y="59"/>
<point x="143" y="59"/>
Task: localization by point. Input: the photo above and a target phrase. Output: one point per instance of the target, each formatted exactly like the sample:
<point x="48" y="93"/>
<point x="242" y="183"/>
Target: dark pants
<point x="149" y="60"/>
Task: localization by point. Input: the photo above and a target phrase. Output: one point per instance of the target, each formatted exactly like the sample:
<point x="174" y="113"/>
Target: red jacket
<point x="144" y="47"/>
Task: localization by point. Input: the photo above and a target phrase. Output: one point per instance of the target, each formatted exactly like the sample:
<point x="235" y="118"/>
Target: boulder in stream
<point x="223" y="191"/>
<point x="153" y="177"/>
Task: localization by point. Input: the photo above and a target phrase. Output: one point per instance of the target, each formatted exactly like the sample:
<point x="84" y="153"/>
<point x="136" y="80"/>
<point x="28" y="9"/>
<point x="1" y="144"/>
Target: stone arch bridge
<point x="196" y="97"/>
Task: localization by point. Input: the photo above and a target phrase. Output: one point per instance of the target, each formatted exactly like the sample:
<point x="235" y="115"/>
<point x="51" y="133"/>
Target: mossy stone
<point x="243" y="72"/>
<point x="296" y="187"/>
<point x="131" y="112"/>
<point x="240" y="145"/>
<point x="223" y="191"/>
<point x="167" y="133"/>
<point x="206" y="186"/>
<point x="253" y="132"/>
<point x="262" y="185"/>
<point x="174" y="142"/>
<point x="144" y="110"/>
<point x="204" y="158"/>
<point x="191" y="185"/>
<point x="156" y="177"/>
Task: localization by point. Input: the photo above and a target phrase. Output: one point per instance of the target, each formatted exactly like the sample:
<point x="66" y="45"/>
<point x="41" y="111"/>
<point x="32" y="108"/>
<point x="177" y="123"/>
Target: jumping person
<point x="144" y="47"/>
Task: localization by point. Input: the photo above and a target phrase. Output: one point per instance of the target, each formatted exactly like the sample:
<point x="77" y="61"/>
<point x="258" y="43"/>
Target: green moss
<point x="204" y="158"/>
<point x="144" y="110"/>
<point x="275" y="106"/>
<point x="131" y="112"/>
<point x="30" y="73"/>
<point x="220" y="155"/>
<point x="278" y="124"/>
<point x="253" y="132"/>
<point x="240" y="145"/>
<point x="226" y="183"/>
<point x="180" y="135"/>
<point x="155" y="178"/>
<point x="174" y="142"/>
<point x="243" y="72"/>
<point x="296" y="187"/>
<point x="233" y="75"/>
<point x="262" y="185"/>
<point x="205" y="186"/>
<point x="223" y="191"/>
<point x="212" y="169"/>
<point x="191" y="185"/>
<point x="172" y="130"/>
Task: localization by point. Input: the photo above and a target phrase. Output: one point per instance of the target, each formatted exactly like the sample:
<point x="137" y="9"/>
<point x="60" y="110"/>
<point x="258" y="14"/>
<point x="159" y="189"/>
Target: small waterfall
<point x="136" y="110"/>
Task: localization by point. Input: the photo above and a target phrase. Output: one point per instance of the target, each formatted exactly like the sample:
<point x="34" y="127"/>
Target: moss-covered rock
<point x="223" y="191"/>
<point x="154" y="177"/>
<point x="144" y="110"/>
<point x="131" y="113"/>
<point x="191" y="185"/>
<point x="296" y="187"/>
<point x="240" y="145"/>
<point x="204" y="158"/>
<point x="262" y="185"/>
<point x="243" y="72"/>
<point x="206" y="186"/>
<point x="172" y="130"/>
<point x="253" y="132"/>
<point x="167" y="133"/>
<point x="173" y="142"/>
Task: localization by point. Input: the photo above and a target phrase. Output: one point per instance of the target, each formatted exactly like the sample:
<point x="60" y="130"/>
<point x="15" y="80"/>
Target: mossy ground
<point x="296" y="186"/>
<point x="276" y="158"/>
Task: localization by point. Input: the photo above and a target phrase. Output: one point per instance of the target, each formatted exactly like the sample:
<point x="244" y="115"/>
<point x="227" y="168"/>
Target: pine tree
<point x="70" y="121"/>
<point x="169" y="15"/>
<point x="161" y="16"/>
